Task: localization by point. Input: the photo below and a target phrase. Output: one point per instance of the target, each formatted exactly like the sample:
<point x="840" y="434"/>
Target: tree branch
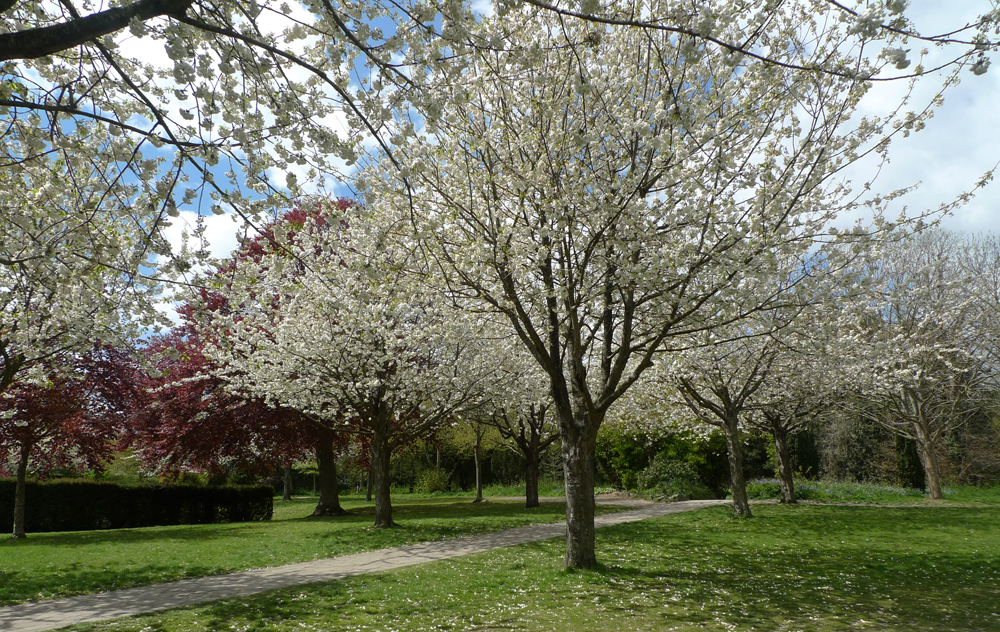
<point x="35" y="43"/>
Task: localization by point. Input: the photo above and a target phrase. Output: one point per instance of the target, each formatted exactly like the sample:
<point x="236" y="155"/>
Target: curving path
<point x="57" y="613"/>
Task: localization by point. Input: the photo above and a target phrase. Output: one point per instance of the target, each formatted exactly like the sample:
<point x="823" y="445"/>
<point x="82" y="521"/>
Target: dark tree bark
<point x="531" y="477"/>
<point x="381" y="458"/>
<point x="579" y="443"/>
<point x="19" y="490"/>
<point x="368" y="486"/>
<point x="286" y="483"/>
<point x="35" y="43"/>
<point x="12" y="363"/>
<point x="741" y="505"/>
<point x="784" y="464"/>
<point x="531" y="439"/>
<point x="329" y="488"/>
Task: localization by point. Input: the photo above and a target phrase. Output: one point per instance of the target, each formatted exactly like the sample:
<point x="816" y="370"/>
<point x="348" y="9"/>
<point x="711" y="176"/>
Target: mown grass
<point x="47" y="565"/>
<point x="546" y="489"/>
<point x="823" y="491"/>
<point x="815" y="568"/>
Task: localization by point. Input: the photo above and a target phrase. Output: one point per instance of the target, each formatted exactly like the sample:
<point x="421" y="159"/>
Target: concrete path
<point x="57" y="613"/>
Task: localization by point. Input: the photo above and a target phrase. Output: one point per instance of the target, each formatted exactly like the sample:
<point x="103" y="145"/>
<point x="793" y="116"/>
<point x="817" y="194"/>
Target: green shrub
<point x="663" y="470"/>
<point x="672" y="478"/>
<point x="85" y="505"/>
<point x="433" y="480"/>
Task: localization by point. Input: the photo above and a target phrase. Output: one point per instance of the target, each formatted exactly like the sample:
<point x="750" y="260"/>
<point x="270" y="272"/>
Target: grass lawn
<point x="47" y="565"/>
<point x="807" y="567"/>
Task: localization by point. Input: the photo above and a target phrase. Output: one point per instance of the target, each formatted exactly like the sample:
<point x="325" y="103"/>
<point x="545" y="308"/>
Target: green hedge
<point x="83" y="505"/>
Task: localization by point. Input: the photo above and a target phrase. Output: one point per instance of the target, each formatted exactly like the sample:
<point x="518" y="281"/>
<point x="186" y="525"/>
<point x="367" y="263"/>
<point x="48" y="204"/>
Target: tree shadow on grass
<point x="903" y="567"/>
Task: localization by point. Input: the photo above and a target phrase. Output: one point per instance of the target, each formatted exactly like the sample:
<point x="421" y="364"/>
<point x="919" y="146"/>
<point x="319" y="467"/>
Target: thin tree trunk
<point x="578" y="447"/>
<point x="329" y="488"/>
<point x="19" y="490"/>
<point x="784" y="464"/>
<point x="531" y="458"/>
<point x="741" y="506"/>
<point x="371" y="470"/>
<point x="479" y="477"/>
<point x="286" y="480"/>
<point x="381" y="457"/>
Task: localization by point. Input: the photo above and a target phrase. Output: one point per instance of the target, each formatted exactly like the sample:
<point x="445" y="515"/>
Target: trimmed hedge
<point x="84" y="505"/>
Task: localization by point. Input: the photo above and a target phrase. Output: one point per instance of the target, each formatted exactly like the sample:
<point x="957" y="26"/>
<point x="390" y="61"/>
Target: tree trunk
<point x="578" y="448"/>
<point x="928" y="458"/>
<point x="381" y="457"/>
<point x="741" y="506"/>
<point x="19" y="490"/>
<point x="286" y="483"/>
<point x="329" y="488"/>
<point x="479" y="467"/>
<point x="531" y="458"/>
<point x="368" y="492"/>
<point x="784" y="464"/>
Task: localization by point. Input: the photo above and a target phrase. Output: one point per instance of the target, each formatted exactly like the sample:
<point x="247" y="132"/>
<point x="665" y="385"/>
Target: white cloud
<point x="960" y="143"/>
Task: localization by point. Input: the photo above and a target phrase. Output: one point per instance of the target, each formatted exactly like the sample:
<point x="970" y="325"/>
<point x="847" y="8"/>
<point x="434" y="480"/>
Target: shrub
<point x="673" y="479"/>
<point x="84" y="505"/>
<point x="433" y="480"/>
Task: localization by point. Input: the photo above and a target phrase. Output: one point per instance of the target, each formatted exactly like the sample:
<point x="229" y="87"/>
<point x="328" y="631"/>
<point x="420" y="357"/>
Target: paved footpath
<point x="57" y="613"/>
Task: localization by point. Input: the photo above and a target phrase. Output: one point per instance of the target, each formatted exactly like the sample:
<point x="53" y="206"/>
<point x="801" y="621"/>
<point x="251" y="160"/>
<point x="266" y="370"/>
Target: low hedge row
<point x="83" y="505"/>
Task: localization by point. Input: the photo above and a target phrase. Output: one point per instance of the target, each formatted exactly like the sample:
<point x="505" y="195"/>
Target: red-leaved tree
<point x="67" y="418"/>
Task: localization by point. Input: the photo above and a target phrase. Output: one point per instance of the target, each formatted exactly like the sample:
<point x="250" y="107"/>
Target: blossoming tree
<point x="927" y="353"/>
<point x="342" y="326"/>
<point x="607" y="190"/>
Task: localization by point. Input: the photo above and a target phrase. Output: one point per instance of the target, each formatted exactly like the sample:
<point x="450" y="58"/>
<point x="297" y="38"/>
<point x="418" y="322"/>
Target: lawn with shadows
<point x="47" y="565"/>
<point x="815" y="568"/>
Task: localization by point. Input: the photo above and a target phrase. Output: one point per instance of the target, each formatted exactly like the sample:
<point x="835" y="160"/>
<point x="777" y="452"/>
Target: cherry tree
<point x="208" y="420"/>
<point x="608" y="190"/>
<point x="927" y="353"/>
<point x="520" y="411"/>
<point x="806" y="377"/>
<point x="70" y="260"/>
<point x="353" y="337"/>
<point x="717" y="382"/>
<point x="802" y="385"/>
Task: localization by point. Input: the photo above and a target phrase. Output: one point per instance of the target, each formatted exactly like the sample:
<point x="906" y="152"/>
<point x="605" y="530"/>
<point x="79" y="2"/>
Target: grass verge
<point x="816" y="568"/>
<point x="831" y="492"/>
<point x="47" y="565"/>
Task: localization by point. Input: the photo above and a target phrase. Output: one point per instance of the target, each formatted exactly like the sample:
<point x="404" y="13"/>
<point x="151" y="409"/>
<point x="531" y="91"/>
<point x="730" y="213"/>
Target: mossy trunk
<point x="927" y="450"/>
<point x="578" y="448"/>
<point x="784" y="465"/>
<point x="738" y="485"/>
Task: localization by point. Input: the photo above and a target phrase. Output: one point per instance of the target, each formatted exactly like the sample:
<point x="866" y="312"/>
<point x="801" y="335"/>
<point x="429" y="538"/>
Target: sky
<point x="959" y="144"/>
